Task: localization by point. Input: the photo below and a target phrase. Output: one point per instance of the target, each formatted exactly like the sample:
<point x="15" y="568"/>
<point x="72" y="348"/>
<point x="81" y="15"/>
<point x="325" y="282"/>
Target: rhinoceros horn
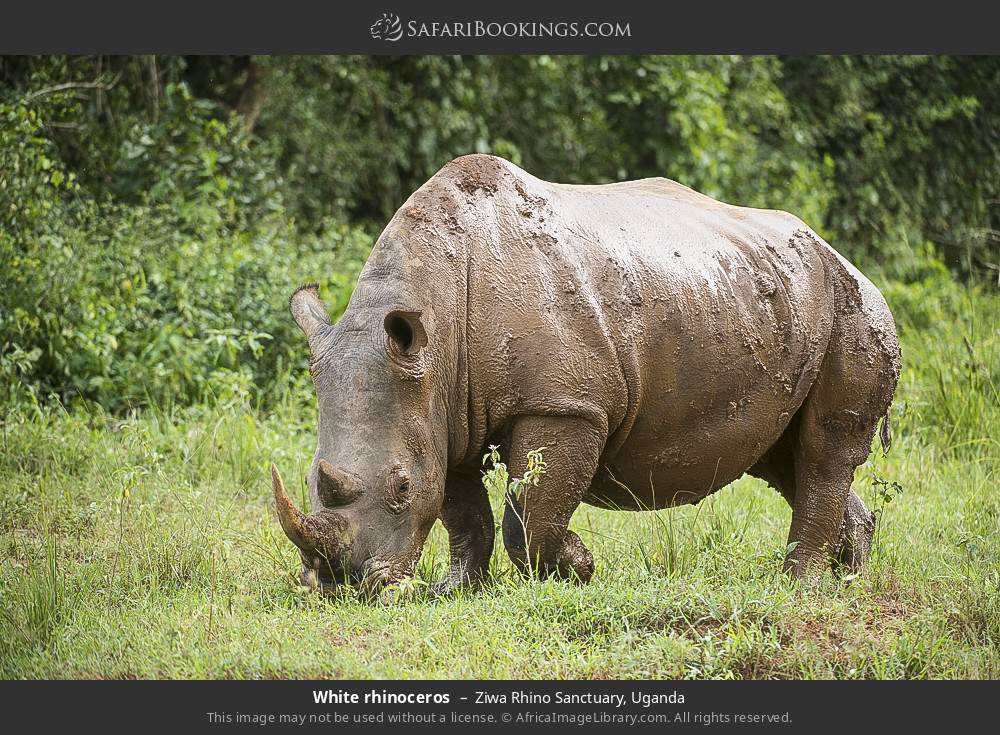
<point x="322" y="535"/>
<point x="293" y="522"/>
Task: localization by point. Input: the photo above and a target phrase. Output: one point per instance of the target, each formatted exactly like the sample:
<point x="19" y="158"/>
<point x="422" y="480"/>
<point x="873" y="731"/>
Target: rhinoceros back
<point x="690" y="330"/>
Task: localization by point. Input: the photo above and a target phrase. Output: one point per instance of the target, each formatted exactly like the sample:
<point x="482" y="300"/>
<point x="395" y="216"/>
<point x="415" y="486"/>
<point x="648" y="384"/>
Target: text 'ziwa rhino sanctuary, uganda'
<point x="650" y="343"/>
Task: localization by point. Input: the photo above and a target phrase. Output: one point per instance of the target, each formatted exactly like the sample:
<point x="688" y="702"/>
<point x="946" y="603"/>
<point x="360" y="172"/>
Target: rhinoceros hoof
<point x="574" y="562"/>
<point x="856" y="534"/>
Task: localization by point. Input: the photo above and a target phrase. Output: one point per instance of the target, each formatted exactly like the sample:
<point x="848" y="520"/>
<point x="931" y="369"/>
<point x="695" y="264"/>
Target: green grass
<point x="146" y="546"/>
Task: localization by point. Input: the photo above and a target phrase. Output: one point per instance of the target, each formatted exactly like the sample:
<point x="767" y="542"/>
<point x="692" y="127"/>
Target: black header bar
<point x="513" y="26"/>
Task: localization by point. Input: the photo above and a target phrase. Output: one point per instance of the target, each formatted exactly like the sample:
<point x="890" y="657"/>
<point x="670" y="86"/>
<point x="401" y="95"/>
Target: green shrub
<point x="177" y="296"/>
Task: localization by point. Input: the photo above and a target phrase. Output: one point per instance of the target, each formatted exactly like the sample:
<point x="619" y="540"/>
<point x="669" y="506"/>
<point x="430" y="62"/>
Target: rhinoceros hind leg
<point x="535" y="526"/>
<point x="777" y="468"/>
<point x="856" y="532"/>
<point x="823" y="482"/>
<point x="837" y="425"/>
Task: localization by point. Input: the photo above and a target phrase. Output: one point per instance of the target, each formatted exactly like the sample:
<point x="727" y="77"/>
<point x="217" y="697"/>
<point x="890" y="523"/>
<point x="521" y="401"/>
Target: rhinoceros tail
<point x="885" y="433"/>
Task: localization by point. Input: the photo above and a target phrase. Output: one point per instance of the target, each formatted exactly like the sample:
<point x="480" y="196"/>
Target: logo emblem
<point x="387" y="28"/>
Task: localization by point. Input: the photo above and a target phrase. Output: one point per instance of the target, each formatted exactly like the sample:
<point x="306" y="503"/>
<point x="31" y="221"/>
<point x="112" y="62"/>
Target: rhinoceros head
<point x="377" y="480"/>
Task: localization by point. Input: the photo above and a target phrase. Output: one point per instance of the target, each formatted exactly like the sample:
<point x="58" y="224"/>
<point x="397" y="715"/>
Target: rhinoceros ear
<point x="406" y="332"/>
<point x="309" y="313"/>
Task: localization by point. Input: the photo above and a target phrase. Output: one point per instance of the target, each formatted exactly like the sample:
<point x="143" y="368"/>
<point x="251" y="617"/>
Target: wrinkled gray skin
<point x="658" y="343"/>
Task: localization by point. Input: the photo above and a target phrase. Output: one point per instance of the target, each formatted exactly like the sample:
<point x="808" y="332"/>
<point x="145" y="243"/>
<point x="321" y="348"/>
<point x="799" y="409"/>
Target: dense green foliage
<point x="155" y="212"/>
<point x="167" y="282"/>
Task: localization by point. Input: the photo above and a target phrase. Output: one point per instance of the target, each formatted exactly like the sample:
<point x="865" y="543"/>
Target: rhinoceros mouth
<point x="319" y="572"/>
<point x="369" y="579"/>
<point x="376" y="574"/>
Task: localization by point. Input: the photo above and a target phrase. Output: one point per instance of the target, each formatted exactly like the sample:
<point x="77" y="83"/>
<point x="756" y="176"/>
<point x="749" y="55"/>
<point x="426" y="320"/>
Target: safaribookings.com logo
<point x="390" y="28"/>
<point x="387" y="28"/>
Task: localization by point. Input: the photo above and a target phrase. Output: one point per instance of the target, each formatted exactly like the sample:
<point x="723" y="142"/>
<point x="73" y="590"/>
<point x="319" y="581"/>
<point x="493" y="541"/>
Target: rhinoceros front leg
<point x="468" y="519"/>
<point x="535" y="526"/>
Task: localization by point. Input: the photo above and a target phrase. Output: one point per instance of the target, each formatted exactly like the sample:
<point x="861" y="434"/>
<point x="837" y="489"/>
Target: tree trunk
<point x="252" y="96"/>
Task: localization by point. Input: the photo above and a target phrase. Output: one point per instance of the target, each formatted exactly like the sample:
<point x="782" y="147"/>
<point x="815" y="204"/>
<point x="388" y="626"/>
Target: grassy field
<point x="146" y="546"/>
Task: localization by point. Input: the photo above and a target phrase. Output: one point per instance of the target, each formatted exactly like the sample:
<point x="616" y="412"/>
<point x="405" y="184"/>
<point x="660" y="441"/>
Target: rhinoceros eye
<point x="400" y="491"/>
